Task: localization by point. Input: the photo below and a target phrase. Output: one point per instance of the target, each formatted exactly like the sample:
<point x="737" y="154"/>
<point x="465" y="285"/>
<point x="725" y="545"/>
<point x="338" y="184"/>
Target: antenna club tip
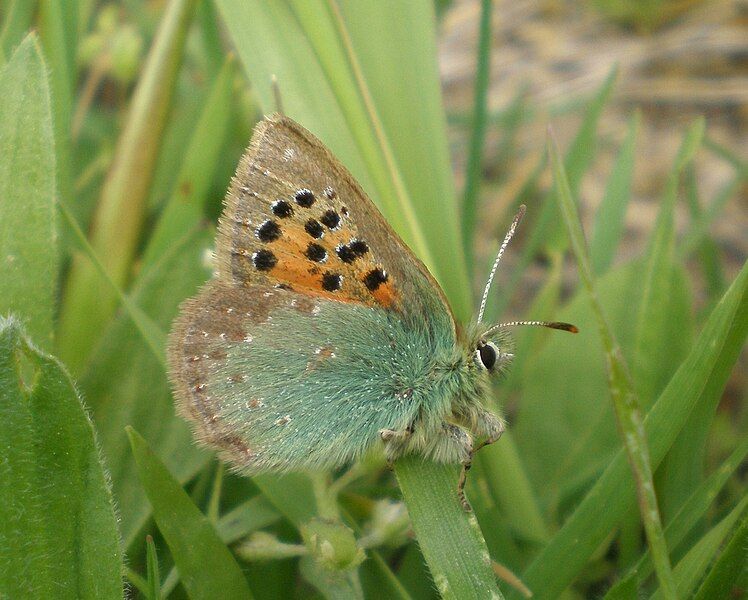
<point x="566" y="327"/>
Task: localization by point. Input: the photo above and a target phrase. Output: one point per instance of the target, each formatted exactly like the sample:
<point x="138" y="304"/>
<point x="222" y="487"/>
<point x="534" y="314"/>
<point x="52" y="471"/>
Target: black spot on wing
<point x="281" y="209"/>
<point x="269" y="231"/>
<point x="316" y="252"/>
<point x="313" y="228"/>
<point x="304" y="198"/>
<point x="330" y="219"/>
<point x="332" y="282"/>
<point x="375" y="278"/>
<point x="264" y="260"/>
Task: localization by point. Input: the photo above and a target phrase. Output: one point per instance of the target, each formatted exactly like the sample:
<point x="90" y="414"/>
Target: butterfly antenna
<point x="504" y="244"/>
<point x="277" y="94"/>
<point x="550" y="324"/>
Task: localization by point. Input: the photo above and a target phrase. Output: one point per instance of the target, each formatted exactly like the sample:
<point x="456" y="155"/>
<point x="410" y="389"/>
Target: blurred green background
<point x="121" y="124"/>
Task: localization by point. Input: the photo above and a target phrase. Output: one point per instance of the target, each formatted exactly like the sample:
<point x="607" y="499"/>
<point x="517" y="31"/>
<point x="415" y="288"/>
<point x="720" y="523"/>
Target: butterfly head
<point x="490" y="352"/>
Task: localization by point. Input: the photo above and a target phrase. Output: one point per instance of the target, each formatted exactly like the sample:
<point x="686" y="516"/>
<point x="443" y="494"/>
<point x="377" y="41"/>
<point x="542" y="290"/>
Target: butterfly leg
<point x="395" y="442"/>
<point x="484" y="424"/>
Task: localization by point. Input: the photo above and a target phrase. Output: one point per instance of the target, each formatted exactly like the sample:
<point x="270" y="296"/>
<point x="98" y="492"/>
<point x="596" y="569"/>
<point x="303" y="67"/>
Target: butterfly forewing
<point x="295" y="218"/>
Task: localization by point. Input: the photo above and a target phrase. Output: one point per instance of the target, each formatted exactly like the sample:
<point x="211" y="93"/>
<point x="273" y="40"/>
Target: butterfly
<point x="321" y="335"/>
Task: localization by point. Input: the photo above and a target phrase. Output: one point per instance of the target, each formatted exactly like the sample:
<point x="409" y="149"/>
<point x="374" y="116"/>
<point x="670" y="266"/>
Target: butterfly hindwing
<point x="278" y="380"/>
<point x="320" y="326"/>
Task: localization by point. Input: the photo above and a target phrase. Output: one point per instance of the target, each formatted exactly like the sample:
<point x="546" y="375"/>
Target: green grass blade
<point x="28" y="224"/>
<point x="654" y="309"/>
<point x="252" y="515"/>
<point x="117" y="222"/>
<point x="624" y="397"/>
<point x="186" y="205"/>
<point x="449" y="538"/>
<point x="57" y="28"/>
<point x="206" y="566"/>
<point x="729" y="574"/>
<point x="695" y="507"/>
<point x="154" y="579"/>
<point x="16" y="21"/>
<point x="577" y="161"/>
<point x="151" y="333"/>
<point x="699" y="228"/>
<point x="57" y="523"/>
<point x="478" y="131"/>
<point x="124" y="385"/>
<point x="704" y="370"/>
<point x="691" y="568"/>
<point x="610" y="216"/>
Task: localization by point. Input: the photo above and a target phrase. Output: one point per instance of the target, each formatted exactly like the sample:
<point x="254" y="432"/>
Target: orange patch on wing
<point x="313" y="265"/>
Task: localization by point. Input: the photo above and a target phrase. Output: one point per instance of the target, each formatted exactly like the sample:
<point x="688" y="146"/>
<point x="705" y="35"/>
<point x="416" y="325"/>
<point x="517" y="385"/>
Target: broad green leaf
<point x="118" y="220"/>
<point x="206" y="566"/>
<point x="691" y="568"/>
<point x="610" y="215"/>
<point x="125" y="385"/>
<point x="28" y="223"/>
<point x="729" y="575"/>
<point x="58" y="532"/>
<point x="703" y="372"/>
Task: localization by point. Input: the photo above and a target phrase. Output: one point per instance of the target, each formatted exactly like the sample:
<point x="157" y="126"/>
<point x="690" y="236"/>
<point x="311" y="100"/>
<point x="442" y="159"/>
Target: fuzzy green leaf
<point x="58" y="533"/>
<point x="28" y="223"/>
<point x="206" y="566"/>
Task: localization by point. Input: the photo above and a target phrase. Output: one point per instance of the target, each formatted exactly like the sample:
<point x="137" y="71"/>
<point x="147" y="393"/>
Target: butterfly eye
<point x="487" y="354"/>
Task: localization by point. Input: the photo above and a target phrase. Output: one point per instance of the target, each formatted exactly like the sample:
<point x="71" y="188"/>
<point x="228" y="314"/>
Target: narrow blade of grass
<point x="126" y="386"/>
<point x="28" y="224"/>
<point x="206" y="566"/>
<point x="699" y="379"/>
<point x="477" y="131"/>
<point x="57" y="31"/>
<point x="449" y="537"/>
<point x="654" y="308"/>
<point x="690" y="512"/>
<point x="610" y="216"/>
<point x="185" y="207"/>
<point x="118" y="219"/>
<point x="625" y="401"/>
<point x="57" y="523"/>
<point x="691" y="568"/>
<point x="722" y="580"/>
<point x="154" y="579"/>
<point x="578" y="159"/>
<point x="16" y="22"/>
